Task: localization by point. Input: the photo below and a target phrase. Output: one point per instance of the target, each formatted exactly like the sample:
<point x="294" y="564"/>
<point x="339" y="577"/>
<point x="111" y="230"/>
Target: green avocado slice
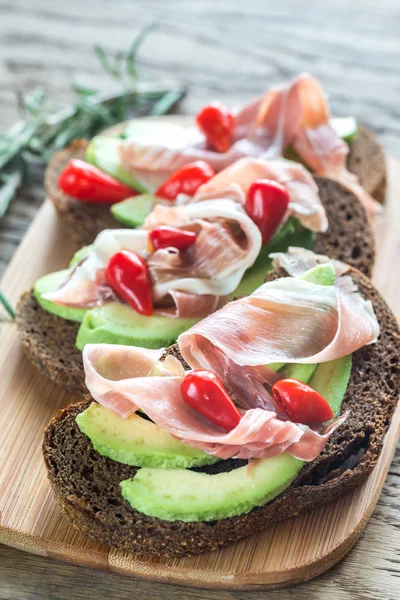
<point x="117" y="323"/>
<point x="331" y="379"/>
<point x="180" y="494"/>
<point x="136" y="441"/>
<point x="103" y="152"/>
<point x="345" y="127"/>
<point x="49" y="283"/>
<point x="132" y="212"/>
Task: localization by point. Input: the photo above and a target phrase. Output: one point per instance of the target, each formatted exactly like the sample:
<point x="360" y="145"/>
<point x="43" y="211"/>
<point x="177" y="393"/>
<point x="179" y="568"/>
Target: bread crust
<point x="86" y="484"/>
<point x="49" y="341"/>
<point x="84" y="221"/>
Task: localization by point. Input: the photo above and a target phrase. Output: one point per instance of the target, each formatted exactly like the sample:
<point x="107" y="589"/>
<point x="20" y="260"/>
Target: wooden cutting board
<point x="30" y="519"/>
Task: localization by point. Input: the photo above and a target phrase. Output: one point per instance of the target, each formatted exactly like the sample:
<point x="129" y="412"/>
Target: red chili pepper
<point x="165" y="237"/>
<point x="127" y="274"/>
<point x="301" y="403"/>
<point x="203" y="391"/>
<point x="186" y="180"/>
<point x="89" y="184"/>
<point x="266" y="203"/>
<point x="217" y="123"/>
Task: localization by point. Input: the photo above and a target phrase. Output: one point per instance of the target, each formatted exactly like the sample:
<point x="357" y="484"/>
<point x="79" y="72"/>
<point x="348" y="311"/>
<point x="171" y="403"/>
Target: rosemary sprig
<point x="7" y="305"/>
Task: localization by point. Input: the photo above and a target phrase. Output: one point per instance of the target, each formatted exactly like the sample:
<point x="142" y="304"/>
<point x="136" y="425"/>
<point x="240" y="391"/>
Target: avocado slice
<point x="136" y="441"/>
<point x="324" y="274"/>
<point x="80" y="255"/>
<point x="132" y="212"/>
<point x="298" y="371"/>
<point x="331" y="379"/>
<point x="180" y="494"/>
<point x="103" y="152"/>
<point x="291" y="234"/>
<point x="49" y="283"/>
<point x="117" y="323"/>
<point x="345" y="127"/>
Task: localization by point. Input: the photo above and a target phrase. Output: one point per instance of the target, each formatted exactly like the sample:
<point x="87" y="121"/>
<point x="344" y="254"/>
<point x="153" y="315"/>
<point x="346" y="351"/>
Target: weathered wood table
<point x="227" y="50"/>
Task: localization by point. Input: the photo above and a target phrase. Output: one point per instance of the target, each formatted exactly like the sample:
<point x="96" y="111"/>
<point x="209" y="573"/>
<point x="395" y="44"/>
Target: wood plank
<point x="285" y="554"/>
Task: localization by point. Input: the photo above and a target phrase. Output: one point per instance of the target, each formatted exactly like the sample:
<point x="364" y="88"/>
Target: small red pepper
<point x="204" y="391"/>
<point x="266" y="204"/>
<point x="89" y="184"/>
<point x="186" y="180"/>
<point x="217" y="123"/>
<point x="300" y="402"/>
<point x="127" y="274"/>
<point x="165" y="237"/>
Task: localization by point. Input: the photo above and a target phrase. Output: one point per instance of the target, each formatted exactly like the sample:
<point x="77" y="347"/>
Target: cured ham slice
<point x="259" y="434"/>
<point x="286" y="320"/>
<point x="227" y="244"/>
<point x="329" y="321"/>
<point x="234" y="181"/>
<point x="294" y="113"/>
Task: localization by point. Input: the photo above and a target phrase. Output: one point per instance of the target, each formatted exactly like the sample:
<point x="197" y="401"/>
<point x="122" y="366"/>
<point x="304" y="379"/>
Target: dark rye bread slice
<point x="84" y="221"/>
<point x="367" y="160"/>
<point x="86" y="484"/>
<point x="49" y="341"/>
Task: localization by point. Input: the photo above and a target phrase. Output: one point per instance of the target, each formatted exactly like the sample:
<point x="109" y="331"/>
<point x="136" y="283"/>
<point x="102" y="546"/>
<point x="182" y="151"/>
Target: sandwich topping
<point x="232" y="356"/>
<point x="294" y="114"/>
<point x="189" y="256"/>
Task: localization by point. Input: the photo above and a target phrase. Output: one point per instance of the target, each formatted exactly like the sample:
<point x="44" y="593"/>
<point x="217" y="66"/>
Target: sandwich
<point x="145" y="286"/>
<point x="116" y="177"/>
<point x="275" y="404"/>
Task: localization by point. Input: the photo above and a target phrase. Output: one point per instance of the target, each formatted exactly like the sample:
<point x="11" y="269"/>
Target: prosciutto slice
<point x="294" y="113"/>
<point x="301" y="322"/>
<point x="234" y="181"/>
<point x="227" y="244"/>
<point x="259" y="434"/>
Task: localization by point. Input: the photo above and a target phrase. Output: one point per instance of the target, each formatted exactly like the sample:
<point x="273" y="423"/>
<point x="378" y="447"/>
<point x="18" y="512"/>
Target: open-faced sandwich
<point x="275" y="404"/>
<point x="145" y="286"/>
<point x="159" y="159"/>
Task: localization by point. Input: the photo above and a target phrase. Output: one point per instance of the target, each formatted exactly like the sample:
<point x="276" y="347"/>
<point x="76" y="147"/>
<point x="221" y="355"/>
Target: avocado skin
<point x="117" y="323"/>
<point x="136" y="441"/>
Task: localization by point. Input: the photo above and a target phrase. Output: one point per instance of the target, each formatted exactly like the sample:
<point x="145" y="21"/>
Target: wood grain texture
<point x="30" y="519"/>
<point x="229" y="50"/>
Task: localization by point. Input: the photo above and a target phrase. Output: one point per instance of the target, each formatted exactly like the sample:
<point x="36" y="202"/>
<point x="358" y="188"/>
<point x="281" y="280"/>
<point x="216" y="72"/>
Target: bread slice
<point x="86" y="484"/>
<point x="49" y="341"/>
<point x="84" y="221"/>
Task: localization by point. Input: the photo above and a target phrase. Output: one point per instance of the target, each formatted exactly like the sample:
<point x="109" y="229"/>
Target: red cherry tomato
<point x="300" y="402"/>
<point x="165" y="237"/>
<point x="266" y="203"/>
<point x="186" y="180"/>
<point x="217" y="123"/>
<point x="203" y="391"/>
<point x="127" y="274"/>
<point x="88" y="184"/>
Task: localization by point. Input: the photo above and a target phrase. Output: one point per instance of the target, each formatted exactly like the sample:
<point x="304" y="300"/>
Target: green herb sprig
<point x="44" y="131"/>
